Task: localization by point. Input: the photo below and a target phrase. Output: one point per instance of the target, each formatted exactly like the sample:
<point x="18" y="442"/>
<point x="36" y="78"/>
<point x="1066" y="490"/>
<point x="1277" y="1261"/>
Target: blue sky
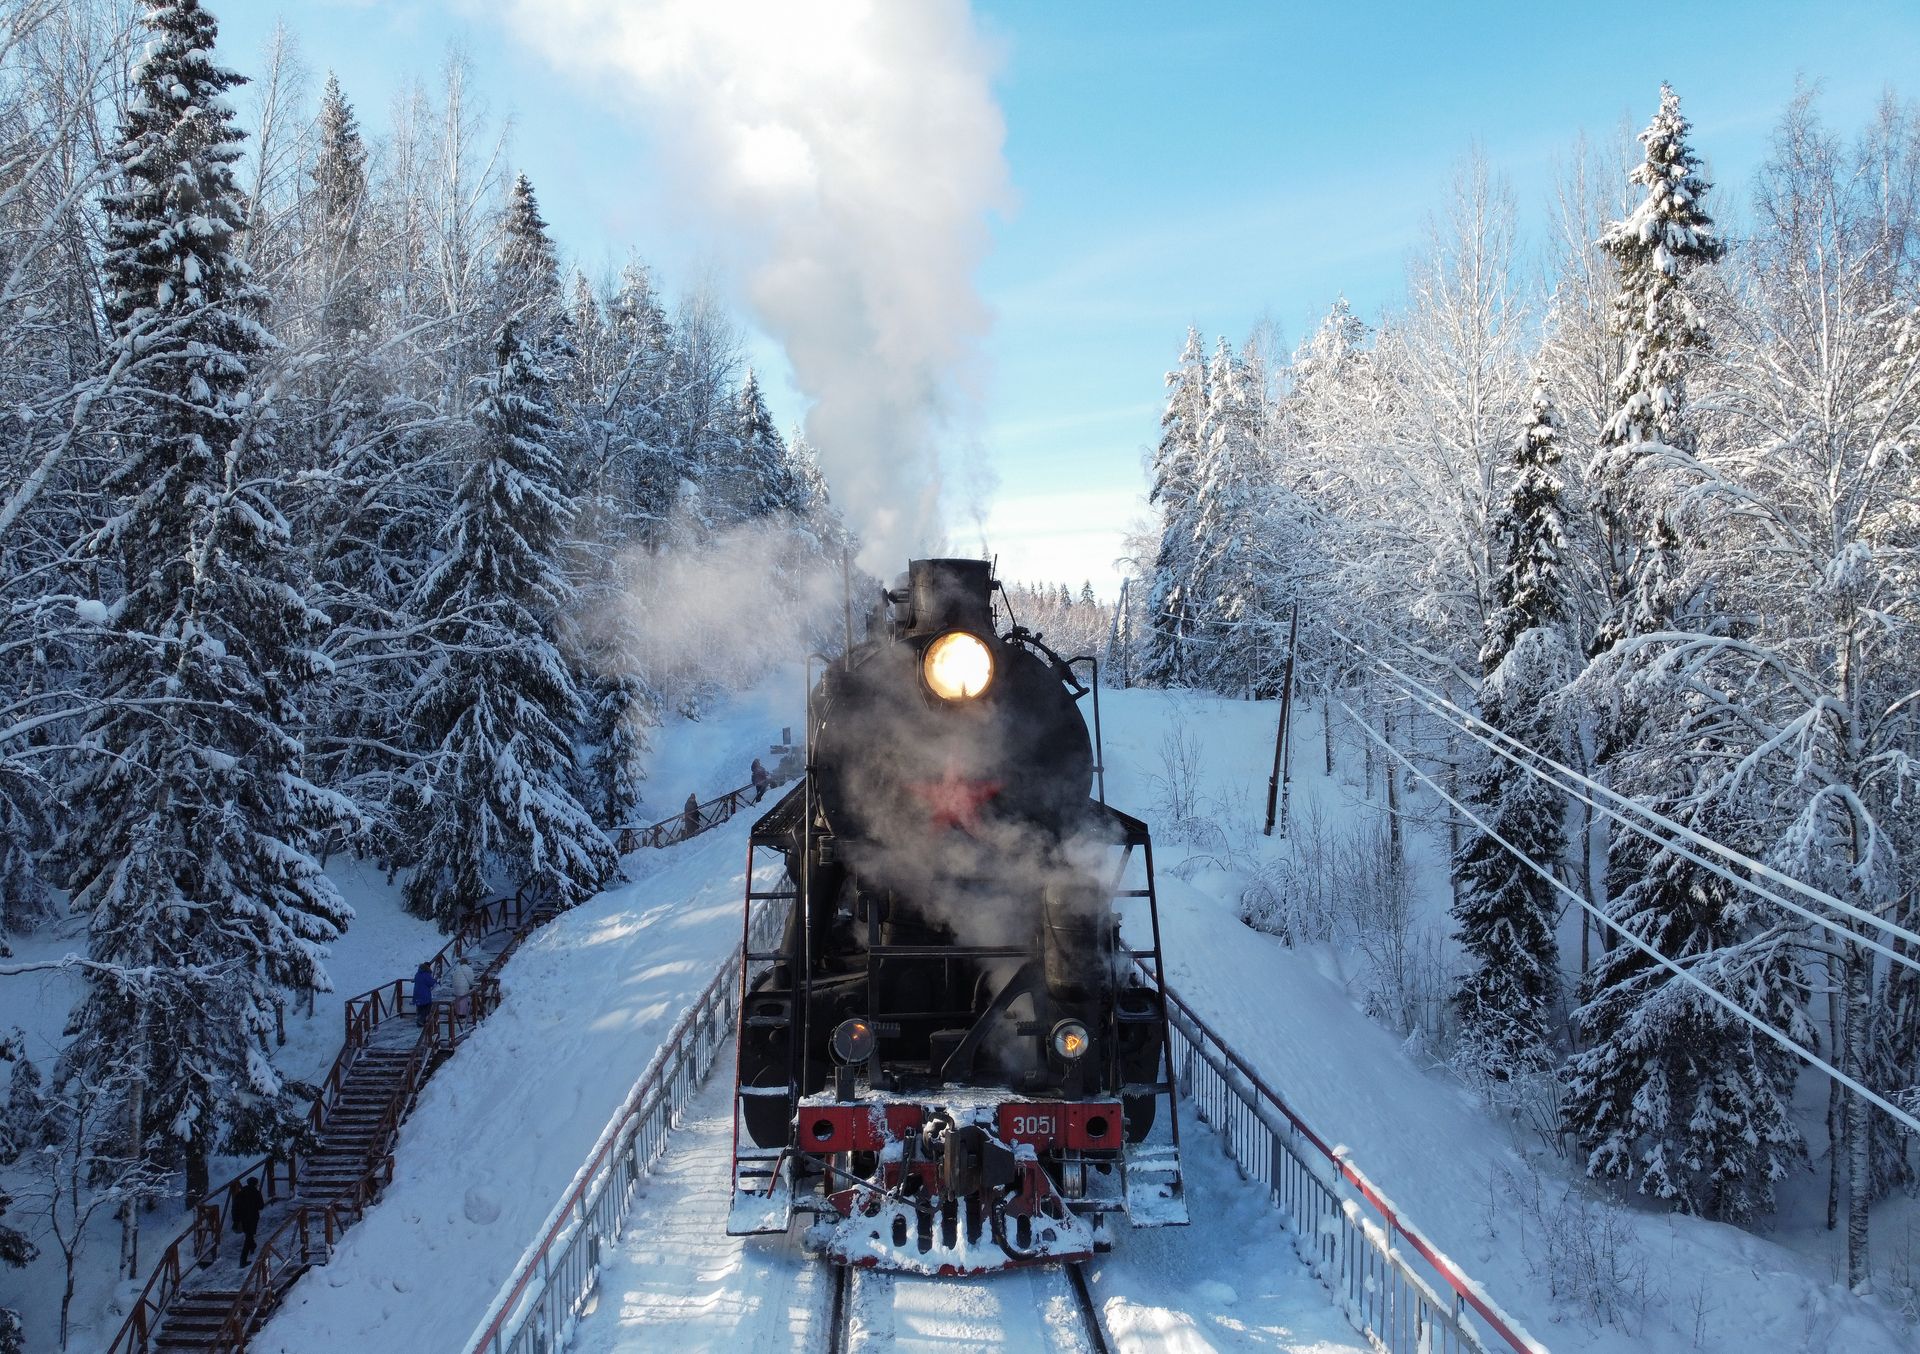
<point x="1172" y="165"/>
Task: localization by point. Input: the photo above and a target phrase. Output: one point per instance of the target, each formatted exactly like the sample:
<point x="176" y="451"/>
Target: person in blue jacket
<point x="423" y="993"/>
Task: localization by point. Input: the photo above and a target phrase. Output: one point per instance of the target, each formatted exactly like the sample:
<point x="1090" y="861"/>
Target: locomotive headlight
<point x="852" y="1041"/>
<point x="1070" y="1040"/>
<point x="958" y="666"/>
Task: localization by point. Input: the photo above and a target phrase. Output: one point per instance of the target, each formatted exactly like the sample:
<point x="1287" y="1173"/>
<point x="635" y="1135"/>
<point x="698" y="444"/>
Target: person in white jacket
<point x="460" y="983"/>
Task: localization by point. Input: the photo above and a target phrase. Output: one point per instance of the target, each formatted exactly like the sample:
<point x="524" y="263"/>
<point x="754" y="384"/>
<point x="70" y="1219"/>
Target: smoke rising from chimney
<point x="849" y="154"/>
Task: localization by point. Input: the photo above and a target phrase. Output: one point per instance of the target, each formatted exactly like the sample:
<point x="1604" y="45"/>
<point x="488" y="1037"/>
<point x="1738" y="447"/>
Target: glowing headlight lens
<point x="853" y="1041"/>
<point x="958" y="666"/>
<point x="1070" y="1040"/>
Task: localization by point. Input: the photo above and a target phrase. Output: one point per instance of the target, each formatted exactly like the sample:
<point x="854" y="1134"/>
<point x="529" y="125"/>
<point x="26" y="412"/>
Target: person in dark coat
<point x="690" y="816"/>
<point x="247" y="1205"/>
<point x="761" y="780"/>
<point x="423" y="993"/>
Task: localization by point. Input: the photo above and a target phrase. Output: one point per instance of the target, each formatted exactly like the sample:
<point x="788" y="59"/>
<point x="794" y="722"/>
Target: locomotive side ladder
<point x="762" y="1199"/>
<point x="1154" y="1188"/>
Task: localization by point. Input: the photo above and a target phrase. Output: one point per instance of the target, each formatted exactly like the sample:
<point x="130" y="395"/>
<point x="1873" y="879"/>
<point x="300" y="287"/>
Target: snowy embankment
<point x="501" y="1128"/>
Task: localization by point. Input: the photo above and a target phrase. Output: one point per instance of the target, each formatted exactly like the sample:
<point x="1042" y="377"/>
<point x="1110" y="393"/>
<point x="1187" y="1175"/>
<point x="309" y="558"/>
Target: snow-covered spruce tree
<point x="25" y="825"/>
<point x="1656" y="249"/>
<point x="1176" y="481"/>
<point x="369" y="503"/>
<point x="499" y="707"/>
<point x="1809" y="533"/>
<point x="1670" y="1090"/>
<point x="192" y="820"/>
<point x="527" y="271"/>
<point x="1505" y="911"/>
<point x="338" y="203"/>
<point x="647" y="467"/>
<point x="754" y="479"/>
<point x="19" y="1118"/>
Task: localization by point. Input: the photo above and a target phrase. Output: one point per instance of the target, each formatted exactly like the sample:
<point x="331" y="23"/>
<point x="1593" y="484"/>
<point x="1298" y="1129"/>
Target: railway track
<point x="1045" y="1310"/>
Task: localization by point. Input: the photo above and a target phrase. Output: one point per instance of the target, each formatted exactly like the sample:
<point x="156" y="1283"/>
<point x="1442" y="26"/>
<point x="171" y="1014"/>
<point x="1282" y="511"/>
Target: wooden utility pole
<point x="1280" y="759"/>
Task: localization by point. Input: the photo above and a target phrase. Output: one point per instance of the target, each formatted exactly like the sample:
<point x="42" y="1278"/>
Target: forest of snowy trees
<point x="329" y="506"/>
<point x="1657" y="521"/>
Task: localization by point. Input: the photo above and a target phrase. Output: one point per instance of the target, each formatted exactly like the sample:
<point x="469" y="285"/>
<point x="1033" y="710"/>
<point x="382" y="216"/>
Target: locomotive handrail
<point x="1375" y="1306"/>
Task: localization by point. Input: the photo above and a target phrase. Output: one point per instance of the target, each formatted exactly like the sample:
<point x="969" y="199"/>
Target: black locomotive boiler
<point x="949" y="1057"/>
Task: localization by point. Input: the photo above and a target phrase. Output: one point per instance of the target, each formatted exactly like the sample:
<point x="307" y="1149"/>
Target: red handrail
<point x="1463" y="1287"/>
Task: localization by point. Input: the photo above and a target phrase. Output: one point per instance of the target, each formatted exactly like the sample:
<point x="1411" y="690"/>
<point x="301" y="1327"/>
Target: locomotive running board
<point x="752" y="1212"/>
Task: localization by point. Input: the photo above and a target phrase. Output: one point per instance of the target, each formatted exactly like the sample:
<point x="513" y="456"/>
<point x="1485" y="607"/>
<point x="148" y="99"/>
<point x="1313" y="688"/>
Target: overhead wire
<point x="1811" y="1058"/>
<point x="1469" y="723"/>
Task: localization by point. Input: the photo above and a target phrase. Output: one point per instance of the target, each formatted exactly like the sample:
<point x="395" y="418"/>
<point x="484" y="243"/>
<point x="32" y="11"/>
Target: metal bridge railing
<point x="1362" y="1260"/>
<point x="536" y="1311"/>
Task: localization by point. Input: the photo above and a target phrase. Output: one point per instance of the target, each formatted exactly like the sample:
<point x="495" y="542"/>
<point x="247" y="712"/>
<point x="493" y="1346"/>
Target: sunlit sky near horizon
<point x="1172" y="165"/>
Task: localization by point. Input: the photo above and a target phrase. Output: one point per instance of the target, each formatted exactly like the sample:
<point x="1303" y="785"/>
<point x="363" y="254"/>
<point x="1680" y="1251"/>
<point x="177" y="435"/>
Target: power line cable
<point x="1633" y="806"/>
<point x="1741" y="1013"/>
<point x="1896" y="956"/>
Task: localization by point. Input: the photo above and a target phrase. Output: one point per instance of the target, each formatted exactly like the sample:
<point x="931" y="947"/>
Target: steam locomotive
<point x="948" y="1057"/>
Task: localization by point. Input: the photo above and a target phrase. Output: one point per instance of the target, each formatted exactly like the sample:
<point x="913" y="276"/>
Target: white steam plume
<point x="852" y="150"/>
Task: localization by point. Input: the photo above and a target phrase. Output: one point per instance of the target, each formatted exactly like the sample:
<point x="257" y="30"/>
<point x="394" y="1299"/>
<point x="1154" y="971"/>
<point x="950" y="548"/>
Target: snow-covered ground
<point x="1500" y="1204"/>
<point x="501" y="1128"/>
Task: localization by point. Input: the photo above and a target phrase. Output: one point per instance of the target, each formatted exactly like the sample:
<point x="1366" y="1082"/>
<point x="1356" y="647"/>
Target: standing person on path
<point x="690" y="816"/>
<point x="761" y="780"/>
<point x="247" y="1205"/>
<point x="461" y="984"/>
<point x="423" y="993"/>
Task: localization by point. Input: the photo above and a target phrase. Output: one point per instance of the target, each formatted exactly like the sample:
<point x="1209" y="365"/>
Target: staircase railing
<point x="280" y="1174"/>
<point x="306" y="1236"/>
<point x="671" y="831"/>
<point x="362" y="1015"/>
<point x="1362" y="1260"/>
<point x="557" y="1274"/>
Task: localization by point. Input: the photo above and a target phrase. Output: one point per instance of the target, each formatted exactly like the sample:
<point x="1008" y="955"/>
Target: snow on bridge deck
<point x="1231" y="1281"/>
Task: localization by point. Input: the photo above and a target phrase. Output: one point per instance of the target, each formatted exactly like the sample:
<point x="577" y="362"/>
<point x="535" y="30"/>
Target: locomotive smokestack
<point x="948" y="594"/>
